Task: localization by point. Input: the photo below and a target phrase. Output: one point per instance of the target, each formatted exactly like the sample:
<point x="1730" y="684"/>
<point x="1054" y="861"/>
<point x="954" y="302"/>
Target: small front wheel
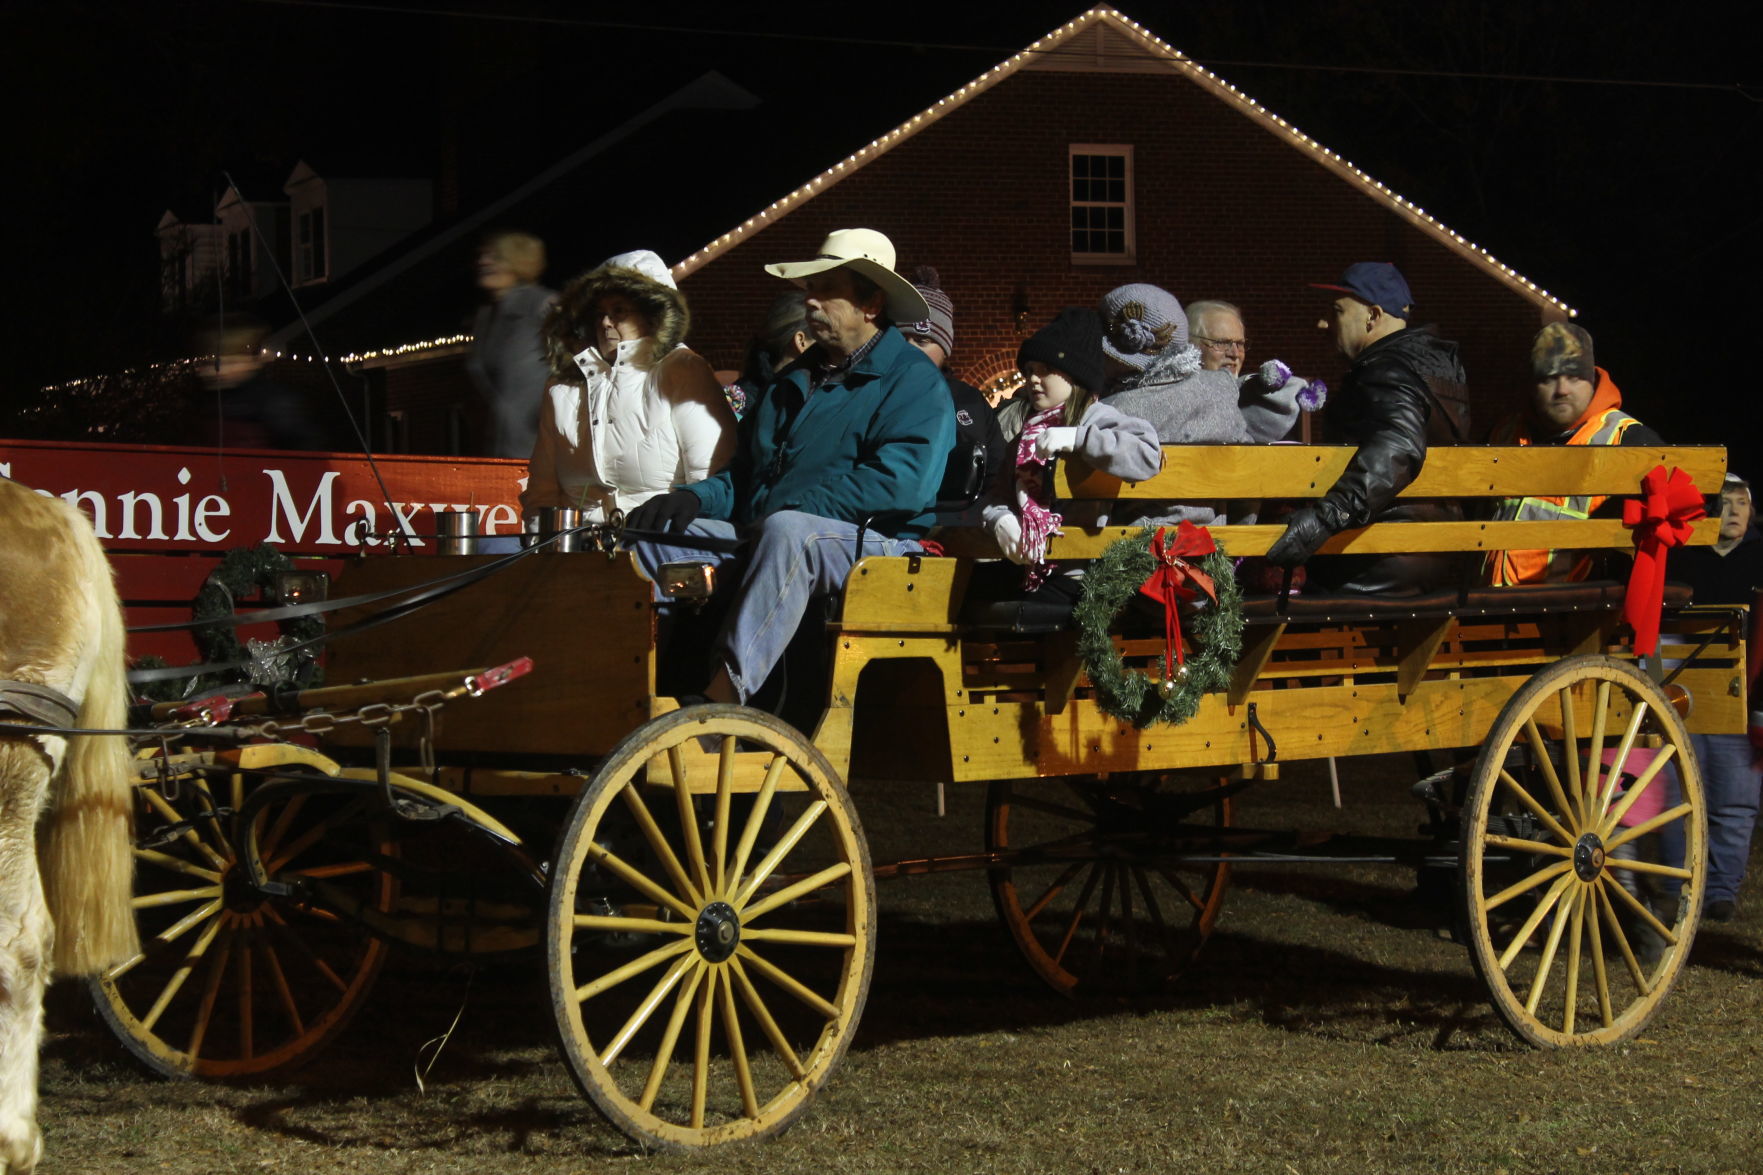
<point x="711" y="929"/>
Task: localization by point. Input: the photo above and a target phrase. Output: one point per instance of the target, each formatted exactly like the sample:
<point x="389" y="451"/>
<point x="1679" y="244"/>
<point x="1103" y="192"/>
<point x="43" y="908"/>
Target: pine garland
<point x="1217" y="636"/>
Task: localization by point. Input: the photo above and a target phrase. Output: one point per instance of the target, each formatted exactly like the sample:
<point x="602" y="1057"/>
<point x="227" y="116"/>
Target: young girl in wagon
<point x="1059" y="414"/>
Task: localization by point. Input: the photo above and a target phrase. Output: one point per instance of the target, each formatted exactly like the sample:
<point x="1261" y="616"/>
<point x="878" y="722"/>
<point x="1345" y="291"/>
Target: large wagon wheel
<point x="232" y="982"/>
<point x="709" y="952"/>
<point x="1579" y="915"/>
<point x="1109" y="887"/>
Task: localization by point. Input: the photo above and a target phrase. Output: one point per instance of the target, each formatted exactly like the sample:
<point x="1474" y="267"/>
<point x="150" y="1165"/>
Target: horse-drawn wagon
<point x="697" y="879"/>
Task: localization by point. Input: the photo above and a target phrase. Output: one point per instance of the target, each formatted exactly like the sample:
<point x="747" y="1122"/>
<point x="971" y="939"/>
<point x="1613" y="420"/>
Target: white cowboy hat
<point x="870" y="254"/>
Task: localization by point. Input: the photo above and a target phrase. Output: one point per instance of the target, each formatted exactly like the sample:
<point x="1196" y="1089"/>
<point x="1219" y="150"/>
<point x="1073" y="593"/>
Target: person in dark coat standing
<point x="507" y="364"/>
<point x="975" y="422"/>
<point x="1405" y="390"/>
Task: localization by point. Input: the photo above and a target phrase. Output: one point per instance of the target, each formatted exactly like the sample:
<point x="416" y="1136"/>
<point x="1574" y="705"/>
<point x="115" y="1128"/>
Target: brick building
<point x="1096" y="156"/>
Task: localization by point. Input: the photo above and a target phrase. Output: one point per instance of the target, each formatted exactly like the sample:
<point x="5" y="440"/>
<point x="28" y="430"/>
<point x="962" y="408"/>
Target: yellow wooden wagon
<point x="707" y="909"/>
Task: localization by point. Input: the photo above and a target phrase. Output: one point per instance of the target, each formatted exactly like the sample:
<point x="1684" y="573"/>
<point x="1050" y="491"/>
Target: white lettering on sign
<point x="282" y="503"/>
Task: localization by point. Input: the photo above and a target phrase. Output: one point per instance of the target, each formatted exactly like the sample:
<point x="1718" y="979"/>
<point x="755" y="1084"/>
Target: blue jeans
<point x="1731" y="782"/>
<point x="790" y="558"/>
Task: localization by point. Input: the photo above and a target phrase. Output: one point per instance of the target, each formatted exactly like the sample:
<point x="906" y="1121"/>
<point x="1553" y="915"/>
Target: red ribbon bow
<point x="1168" y="583"/>
<point x="1662" y="519"/>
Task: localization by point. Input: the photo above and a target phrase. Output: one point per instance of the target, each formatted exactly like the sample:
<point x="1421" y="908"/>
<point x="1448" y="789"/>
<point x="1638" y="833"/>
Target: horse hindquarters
<point x="24" y="946"/>
<point x="87" y="853"/>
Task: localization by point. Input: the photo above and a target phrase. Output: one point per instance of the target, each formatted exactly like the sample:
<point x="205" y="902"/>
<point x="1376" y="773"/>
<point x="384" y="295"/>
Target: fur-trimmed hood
<point x="569" y="327"/>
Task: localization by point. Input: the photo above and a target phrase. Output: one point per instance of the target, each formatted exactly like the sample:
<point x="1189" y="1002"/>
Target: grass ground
<point x="1326" y="1028"/>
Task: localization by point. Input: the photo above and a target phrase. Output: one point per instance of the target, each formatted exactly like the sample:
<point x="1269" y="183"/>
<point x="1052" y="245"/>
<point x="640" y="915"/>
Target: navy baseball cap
<point x="1375" y="283"/>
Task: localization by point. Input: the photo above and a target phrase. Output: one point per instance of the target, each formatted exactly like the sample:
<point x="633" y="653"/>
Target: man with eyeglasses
<point x="1217" y="329"/>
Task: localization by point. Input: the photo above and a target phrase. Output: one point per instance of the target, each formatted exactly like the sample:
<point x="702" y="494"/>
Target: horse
<point x="64" y="886"/>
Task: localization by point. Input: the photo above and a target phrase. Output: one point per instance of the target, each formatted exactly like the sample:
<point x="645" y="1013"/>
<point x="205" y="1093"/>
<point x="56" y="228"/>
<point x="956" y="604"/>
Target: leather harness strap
<point x="38" y="703"/>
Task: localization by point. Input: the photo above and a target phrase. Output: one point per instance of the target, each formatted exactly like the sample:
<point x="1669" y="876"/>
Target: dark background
<point x="1633" y="197"/>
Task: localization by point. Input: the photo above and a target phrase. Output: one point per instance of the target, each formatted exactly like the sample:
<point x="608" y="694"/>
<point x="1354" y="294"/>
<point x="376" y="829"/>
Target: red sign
<point x="165" y="498"/>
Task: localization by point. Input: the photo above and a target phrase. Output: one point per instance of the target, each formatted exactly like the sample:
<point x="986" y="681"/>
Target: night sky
<point x="1634" y="201"/>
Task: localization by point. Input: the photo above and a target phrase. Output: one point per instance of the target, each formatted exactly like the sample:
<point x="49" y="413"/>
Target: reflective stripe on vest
<point x="1549" y="566"/>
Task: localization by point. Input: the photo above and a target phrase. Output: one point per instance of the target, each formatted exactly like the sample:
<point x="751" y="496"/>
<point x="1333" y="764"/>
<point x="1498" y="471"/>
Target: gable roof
<point x="1107" y="40"/>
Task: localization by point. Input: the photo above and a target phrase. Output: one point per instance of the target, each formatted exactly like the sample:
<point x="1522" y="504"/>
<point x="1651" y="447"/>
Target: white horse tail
<point x="87" y="852"/>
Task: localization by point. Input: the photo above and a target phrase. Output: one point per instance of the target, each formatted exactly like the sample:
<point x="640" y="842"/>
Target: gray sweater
<point x="1197" y="408"/>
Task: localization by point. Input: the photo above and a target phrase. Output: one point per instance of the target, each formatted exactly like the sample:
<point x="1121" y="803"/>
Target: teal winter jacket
<point x="875" y="445"/>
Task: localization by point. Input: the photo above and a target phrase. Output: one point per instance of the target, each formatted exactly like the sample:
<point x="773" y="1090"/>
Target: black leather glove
<point x="1305" y="531"/>
<point x="665" y="512"/>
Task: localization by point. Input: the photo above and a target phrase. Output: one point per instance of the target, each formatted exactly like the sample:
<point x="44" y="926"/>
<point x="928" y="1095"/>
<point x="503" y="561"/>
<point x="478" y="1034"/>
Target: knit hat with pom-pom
<point x="939" y="328"/>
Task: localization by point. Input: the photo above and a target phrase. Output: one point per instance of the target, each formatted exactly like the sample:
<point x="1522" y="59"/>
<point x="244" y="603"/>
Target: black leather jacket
<point x="1404" y="392"/>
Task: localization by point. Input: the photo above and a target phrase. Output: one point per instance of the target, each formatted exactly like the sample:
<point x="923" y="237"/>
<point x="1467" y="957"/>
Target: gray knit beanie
<point x="939" y="328"/>
<point x="1139" y="321"/>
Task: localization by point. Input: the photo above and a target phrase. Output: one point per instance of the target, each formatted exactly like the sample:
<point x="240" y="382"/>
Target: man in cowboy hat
<point x="858" y="429"/>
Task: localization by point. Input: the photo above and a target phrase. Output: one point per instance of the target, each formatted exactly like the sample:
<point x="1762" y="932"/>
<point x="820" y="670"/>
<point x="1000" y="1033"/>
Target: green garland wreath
<point x="243" y="571"/>
<point x="1127" y="694"/>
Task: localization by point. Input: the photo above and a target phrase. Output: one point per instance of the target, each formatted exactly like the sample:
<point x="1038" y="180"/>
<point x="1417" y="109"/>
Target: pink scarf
<point x="1032" y="495"/>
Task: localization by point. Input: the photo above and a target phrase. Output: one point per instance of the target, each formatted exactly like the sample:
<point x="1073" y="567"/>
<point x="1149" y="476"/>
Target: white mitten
<point x="1007" y="533"/>
<point x="1055" y="441"/>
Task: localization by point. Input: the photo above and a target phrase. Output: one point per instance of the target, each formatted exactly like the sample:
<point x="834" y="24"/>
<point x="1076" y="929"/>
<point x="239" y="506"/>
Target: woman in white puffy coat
<point x="630" y="412"/>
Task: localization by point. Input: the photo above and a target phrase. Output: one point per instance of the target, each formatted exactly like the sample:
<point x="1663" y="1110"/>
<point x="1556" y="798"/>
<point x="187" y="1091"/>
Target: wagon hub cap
<point x="718" y="932"/>
<point x="1588" y="857"/>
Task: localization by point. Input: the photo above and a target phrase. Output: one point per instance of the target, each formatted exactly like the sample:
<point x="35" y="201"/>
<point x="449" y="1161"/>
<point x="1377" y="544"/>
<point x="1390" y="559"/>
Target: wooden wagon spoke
<point x="283" y="991"/>
<point x="247" y="1013"/>
<point x="1669" y="816"/>
<point x="1534" y="808"/>
<point x="640" y="881"/>
<point x="779" y="851"/>
<point x="790" y="893"/>
<point x="1546" y="765"/>
<point x="279" y="926"/>
<point x="646" y="1008"/>
<point x="1570" y="756"/>
<point x="1153" y="907"/>
<point x="1053" y="891"/>
<point x="1129" y="930"/>
<point x="188" y="835"/>
<point x="1104" y="915"/>
<point x="1520" y="844"/>
<point x="1636" y="789"/>
<point x="767" y="1023"/>
<point x="701" y="1055"/>
<point x="795" y="987"/>
<point x="756" y="818"/>
<point x="737" y="1047"/>
<point x="1077" y="913"/>
<point x="175" y="864"/>
<point x="663" y="853"/>
<point x="1575" y="943"/>
<point x="629" y="925"/>
<point x="1594" y="756"/>
<point x="1606" y="1014"/>
<point x="217" y="968"/>
<point x="284" y="820"/>
<point x="173" y="897"/>
<point x="725" y="784"/>
<point x="1639" y="907"/>
<point x="165" y="938"/>
<point x="318" y="830"/>
<point x="1650" y="867"/>
<point x="801" y="938"/>
<point x="331" y="871"/>
<point x="178" y="977"/>
<point x="1183" y="888"/>
<point x="635" y="967"/>
<point x="1557" y="926"/>
<point x="682" y="1006"/>
<point x="1607" y="909"/>
<point x="1543" y="906"/>
<point x="688" y="822"/>
<point x="1623" y="749"/>
<point x="1547" y="873"/>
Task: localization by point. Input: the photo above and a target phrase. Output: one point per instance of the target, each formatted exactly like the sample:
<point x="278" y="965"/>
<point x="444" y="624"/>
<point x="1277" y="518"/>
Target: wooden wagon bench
<point x="709" y="926"/>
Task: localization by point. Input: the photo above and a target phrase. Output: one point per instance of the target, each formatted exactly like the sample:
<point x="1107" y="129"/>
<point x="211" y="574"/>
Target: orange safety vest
<point x="1603" y="424"/>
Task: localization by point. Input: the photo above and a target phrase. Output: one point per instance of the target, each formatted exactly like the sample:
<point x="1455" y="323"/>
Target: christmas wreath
<point x="1168" y="566"/>
<point x="247" y="571"/>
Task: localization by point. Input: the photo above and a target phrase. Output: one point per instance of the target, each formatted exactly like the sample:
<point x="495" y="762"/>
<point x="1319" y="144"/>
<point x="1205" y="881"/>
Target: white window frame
<point x="312" y="251"/>
<point x="1125" y="151"/>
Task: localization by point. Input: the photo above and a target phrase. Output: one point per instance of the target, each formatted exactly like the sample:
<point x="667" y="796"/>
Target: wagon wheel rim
<point x="708" y="957"/>
<point x="1576" y="942"/>
<point x="1108" y="887"/>
<point x="229" y="984"/>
